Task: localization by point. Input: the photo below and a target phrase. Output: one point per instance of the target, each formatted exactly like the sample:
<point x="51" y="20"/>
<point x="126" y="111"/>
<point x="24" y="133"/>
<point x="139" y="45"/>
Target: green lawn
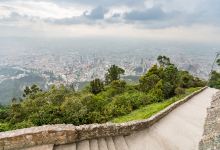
<point x="149" y="110"/>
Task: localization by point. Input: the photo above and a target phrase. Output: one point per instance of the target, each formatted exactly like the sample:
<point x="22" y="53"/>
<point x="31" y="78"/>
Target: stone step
<point x="94" y="144"/>
<point x="102" y="144"/>
<point x="83" y="145"/>
<point x="120" y="143"/>
<point x="40" y="147"/>
<point x="66" y="147"/>
<point x="110" y="143"/>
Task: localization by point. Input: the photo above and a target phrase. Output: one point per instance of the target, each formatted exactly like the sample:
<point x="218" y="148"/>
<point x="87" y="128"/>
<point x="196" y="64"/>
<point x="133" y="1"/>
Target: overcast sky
<point x="191" y="20"/>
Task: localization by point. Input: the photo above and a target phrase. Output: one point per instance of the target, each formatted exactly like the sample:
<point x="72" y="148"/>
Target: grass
<point x="149" y="110"/>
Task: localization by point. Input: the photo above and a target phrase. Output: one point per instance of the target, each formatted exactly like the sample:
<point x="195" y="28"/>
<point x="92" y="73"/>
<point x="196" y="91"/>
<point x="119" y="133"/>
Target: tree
<point x="27" y="91"/>
<point x="113" y="74"/>
<point x="96" y="86"/>
<point x="118" y="85"/>
<point x="31" y="90"/>
<point x="148" y="82"/>
<point x="218" y="62"/>
<point x="168" y="89"/>
<point x="150" y="79"/>
<point x="163" y="61"/>
<point x="185" y="79"/>
<point x="215" y="80"/>
<point x="170" y="74"/>
<point x="34" y="88"/>
<point x="13" y="100"/>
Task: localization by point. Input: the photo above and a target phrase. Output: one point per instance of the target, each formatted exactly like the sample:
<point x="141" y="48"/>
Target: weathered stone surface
<point x="64" y="134"/>
<point x="41" y="147"/>
<point x="211" y="135"/>
<point x="48" y="134"/>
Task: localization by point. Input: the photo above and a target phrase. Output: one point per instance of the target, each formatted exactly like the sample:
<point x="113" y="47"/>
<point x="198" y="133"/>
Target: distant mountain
<point x="14" y="79"/>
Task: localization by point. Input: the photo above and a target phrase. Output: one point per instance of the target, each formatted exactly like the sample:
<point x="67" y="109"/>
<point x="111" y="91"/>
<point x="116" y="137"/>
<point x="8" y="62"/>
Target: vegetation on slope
<point x="215" y="78"/>
<point x="101" y="101"/>
<point x="151" y="109"/>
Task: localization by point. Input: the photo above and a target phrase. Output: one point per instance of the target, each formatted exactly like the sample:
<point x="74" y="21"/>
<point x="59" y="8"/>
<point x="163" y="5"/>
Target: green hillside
<point x="101" y="101"/>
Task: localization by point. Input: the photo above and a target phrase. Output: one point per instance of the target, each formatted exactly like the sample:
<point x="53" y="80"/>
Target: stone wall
<point x="63" y="134"/>
<point x="211" y="135"/>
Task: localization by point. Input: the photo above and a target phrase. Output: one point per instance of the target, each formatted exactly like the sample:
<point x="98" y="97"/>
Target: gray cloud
<point x="162" y="13"/>
<point x="154" y="13"/>
<point x="96" y="13"/>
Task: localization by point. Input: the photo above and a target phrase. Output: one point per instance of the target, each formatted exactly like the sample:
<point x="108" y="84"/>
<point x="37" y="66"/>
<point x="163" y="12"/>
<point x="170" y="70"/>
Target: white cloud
<point x="41" y="9"/>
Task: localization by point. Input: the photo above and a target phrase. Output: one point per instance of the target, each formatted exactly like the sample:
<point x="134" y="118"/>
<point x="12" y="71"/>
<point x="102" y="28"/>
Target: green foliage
<point x="149" y="110"/>
<point x="156" y="94"/>
<point x="113" y="73"/>
<point x="74" y="111"/>
<point x="163" y="61"/>
<point x="168" y="89"/>
<point x="160" y="83"/>
<point x="31" y="90"/>
<point x="148" y="82"/>
<point x="4" y="113"/>
<point x="96" y="86"/>
<point x="218" y="62"/>
<point x="118" y="85"/>
<point x="97" y="103"/>
<point x="4" y="127"/>
<point x="24" y="124"/>
<point x="179" y="91"/>
<point x="215" y="80"/>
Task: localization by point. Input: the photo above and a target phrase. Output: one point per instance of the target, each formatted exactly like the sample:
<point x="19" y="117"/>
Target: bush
<point x="179" y="91"/>
<point x="74" y="111"/>
<point x="4" y="113"/>
<point x="96" y="86"/>
<point x="151" y="98"/>
<point x="118" y="85"/>
<point x="148" y="82"/>
<point x="4" y="127"/>
<point x="119" y="106"/>
<point x="215" y="80"/>
<point x="24" y="124"/>
<point x="168" y="89"/>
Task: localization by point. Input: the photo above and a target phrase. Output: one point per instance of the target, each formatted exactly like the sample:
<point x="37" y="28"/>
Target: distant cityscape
<point x="70" y="66"/>
<point x="76" y="67"/>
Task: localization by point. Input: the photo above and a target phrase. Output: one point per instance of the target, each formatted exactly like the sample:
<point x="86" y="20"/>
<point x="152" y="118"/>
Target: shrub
<point x="119" y="106"/>
<point x="168" y="89"/>
<point x="179" y="91"/>
<point x="96" y="86"/>
<point x="4" y="127"/>
<point x="74" y="111"/>
<point x="24" y="124"/>
<point x="148" y="82"/>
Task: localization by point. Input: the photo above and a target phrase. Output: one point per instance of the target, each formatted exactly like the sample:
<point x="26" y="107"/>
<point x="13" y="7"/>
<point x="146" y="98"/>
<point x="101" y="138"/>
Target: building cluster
<point x="71" y="66"/>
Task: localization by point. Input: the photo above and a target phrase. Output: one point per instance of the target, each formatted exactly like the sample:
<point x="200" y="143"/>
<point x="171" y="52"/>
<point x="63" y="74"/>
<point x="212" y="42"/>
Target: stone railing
<point x="64" y="134"/>
<point x="211" y="135"/>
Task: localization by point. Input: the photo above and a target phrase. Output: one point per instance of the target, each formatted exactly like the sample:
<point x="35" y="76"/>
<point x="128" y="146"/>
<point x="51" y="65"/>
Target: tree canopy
<point x="113" y="74"/>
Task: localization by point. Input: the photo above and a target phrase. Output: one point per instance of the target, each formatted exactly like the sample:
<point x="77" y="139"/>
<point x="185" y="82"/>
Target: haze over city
<point x="72" y="42"/>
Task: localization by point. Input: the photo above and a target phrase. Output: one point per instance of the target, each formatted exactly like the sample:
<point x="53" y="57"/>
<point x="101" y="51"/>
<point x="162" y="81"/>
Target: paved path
<point x="182" y="129"/>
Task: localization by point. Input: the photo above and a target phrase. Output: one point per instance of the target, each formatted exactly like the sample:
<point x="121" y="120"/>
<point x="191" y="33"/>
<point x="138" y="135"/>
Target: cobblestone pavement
<point x="211" y="136"/>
